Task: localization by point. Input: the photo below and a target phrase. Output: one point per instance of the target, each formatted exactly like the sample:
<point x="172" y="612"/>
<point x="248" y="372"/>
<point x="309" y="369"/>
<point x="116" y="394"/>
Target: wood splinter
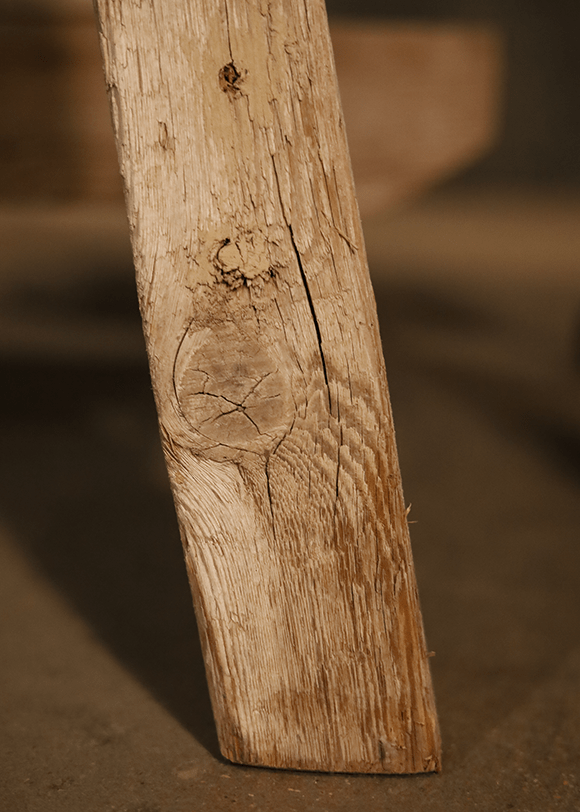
<point x="269" y="380"/>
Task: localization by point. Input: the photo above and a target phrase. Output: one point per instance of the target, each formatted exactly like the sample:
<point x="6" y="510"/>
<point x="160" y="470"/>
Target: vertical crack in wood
<point x="228" y="31"/>
<point x="270" y="500"/>
<point x="314" y="317"/>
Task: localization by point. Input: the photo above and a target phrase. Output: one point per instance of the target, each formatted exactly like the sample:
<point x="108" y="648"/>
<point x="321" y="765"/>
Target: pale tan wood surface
<point x="269" y="381"/>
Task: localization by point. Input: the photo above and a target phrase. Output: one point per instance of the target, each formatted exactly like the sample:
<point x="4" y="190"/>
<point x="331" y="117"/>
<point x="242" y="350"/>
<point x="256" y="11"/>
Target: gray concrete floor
<point x="103" y="698"/>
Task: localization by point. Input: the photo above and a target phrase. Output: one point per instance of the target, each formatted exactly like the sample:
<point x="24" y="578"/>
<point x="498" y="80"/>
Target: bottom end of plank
<point x="432" y="766"/>
<point x="404" y="765"/>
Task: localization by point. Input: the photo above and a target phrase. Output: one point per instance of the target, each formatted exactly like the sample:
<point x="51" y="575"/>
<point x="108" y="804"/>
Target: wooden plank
<point x="269" y="380"/>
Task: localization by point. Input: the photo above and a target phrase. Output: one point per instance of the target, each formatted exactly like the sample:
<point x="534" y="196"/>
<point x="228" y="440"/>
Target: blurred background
<point x="463" y="120"/>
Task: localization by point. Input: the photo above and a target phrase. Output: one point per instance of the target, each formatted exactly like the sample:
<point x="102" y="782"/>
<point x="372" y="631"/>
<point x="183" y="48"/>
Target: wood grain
<point x="268" y="374"/>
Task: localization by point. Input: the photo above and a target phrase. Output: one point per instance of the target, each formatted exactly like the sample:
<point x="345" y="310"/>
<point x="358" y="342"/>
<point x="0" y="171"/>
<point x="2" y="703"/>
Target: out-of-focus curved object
<point x="420" y="101"/>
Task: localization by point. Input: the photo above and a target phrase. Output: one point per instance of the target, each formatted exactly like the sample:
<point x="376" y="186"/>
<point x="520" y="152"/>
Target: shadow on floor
<point x="82" y="482"/>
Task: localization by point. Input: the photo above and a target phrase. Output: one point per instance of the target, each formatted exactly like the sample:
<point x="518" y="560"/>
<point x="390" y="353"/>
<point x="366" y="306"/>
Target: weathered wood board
<point x="269" y="379"/>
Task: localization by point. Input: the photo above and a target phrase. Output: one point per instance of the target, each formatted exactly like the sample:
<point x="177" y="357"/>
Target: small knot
<point x="244" y="261"/>
<point x="229" y="257"/>
<point x="229" y="78"/>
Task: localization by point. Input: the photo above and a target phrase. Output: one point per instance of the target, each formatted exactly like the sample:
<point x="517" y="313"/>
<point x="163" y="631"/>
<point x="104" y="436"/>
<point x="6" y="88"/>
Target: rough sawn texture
<point x="269" y="380"/>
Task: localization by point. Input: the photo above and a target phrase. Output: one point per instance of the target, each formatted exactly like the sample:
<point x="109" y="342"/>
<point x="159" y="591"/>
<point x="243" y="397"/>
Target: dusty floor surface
<point x="103" y="698"/>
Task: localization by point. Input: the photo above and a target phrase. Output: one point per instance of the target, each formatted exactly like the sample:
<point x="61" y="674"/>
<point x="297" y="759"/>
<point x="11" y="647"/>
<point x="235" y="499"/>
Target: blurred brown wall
<point x="541" y="133"/>
<point x="55" y="132"/>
